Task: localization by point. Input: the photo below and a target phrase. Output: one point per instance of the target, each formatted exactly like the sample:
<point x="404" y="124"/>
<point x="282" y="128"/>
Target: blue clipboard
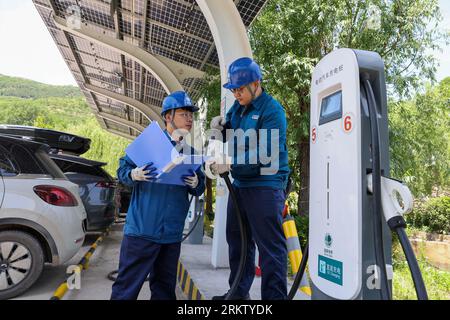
<point x="190" y="164"/>
<point x="153" y="145"/>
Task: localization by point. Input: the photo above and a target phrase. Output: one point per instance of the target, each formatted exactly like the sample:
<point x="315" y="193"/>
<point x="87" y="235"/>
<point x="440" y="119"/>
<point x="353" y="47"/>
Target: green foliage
<point x="291" y="36"/>
<point x="210" y="94"/>
<point x="55" y="112"/>
<point x="432" y="215"/>
<point x="68" y="114"/>
<point x="420" y="140"/>
<point x="436" y="281"/>
<point x="23" y="88"/>
<point x="105" y="146"/>
<point x="17" y="111"/>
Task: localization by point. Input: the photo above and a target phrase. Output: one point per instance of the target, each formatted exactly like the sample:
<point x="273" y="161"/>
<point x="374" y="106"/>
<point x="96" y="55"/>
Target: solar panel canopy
<point x="119" y="88"/>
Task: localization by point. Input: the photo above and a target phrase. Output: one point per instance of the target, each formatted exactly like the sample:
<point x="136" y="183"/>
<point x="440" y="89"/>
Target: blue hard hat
<point x="177" y="100"/>
<point x="241" y="72"/>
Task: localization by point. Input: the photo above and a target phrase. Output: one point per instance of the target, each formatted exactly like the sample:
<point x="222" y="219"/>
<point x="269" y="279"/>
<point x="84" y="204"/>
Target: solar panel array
<point x="175" y="29"/>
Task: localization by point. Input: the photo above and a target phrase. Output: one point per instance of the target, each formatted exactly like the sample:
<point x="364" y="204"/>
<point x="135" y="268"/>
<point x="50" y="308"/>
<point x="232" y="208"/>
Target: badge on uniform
<point x="255" y="116"/>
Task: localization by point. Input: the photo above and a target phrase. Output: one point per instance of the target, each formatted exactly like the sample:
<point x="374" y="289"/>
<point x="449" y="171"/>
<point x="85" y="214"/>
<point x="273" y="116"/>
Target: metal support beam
<point x="120" y="121"/>
<point x="76" y="57"/>
<point x="120" y="133"/>
<point x="151" y="112"/>
<point x="117" y="17"/>
<point x="141" y="45"/>
<point x="168" y="72"/>
<point x="131" y="15"/>
<point x="230" y="37"/>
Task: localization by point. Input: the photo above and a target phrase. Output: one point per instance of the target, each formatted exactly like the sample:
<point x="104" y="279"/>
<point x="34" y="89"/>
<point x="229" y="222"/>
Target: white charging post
<point x="342" y="261"/>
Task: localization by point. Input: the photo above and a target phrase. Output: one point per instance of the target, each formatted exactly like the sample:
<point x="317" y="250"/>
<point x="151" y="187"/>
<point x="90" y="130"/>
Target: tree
<point x="420" y="140"/>
<point x="210" y="98"/>
<point x="291" y="36"/>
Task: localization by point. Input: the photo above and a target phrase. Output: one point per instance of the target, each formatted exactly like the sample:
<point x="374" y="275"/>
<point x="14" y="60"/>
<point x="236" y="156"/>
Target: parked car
<point x="96" y="188"/>
<point x="57" y="140"/>
<point x="96" y="185"/>
<point x="123" y="197"/>
<point x="42" y="217"/>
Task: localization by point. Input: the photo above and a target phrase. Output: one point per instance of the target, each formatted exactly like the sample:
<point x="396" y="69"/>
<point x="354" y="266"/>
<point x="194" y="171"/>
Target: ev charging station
<point x="342" y="257"/>
<point x="353" y="204"/>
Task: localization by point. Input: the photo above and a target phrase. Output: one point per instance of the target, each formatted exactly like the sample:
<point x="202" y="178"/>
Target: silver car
<point x="42" y="217"/>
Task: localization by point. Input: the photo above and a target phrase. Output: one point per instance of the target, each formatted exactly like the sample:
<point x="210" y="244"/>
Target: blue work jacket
<point x="263" y="113"/>
<point x="157" y="212"/>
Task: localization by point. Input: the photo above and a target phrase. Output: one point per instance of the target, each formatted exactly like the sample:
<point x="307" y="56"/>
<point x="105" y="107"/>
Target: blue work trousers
<point x="140" y="258"/>
<point x="262" y="209"/>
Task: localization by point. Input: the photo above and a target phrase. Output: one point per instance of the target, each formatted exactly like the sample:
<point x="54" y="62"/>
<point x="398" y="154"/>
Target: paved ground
<point x="96" y="286"/>
<point x="94" y="282"/>
<point x="211" y="281"/>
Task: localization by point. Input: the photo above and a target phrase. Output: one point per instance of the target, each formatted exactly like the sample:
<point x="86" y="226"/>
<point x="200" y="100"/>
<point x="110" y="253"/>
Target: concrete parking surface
<point x="94" y="282"/>
<point x="96" y="286"/>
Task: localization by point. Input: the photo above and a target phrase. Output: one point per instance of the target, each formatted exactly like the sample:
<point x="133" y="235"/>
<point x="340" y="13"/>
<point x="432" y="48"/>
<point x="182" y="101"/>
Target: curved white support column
<point x="231" y="40"/>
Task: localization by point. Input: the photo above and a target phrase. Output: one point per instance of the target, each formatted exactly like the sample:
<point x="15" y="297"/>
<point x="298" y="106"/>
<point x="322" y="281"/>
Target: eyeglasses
<point x="186" y="115"/>
<point x="238" y="90"/>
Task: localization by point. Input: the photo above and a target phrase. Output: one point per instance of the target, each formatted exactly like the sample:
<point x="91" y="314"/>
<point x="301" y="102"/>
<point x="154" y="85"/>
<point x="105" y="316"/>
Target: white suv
<point x="42" y="218"/>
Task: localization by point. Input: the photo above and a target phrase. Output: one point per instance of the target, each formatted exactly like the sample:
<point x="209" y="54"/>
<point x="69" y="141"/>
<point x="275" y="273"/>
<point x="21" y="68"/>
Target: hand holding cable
<point x="144" y="173"/>
<point x="214" y="168"/>
<point x="218" y="123"/>
<point x="220" y="168"/>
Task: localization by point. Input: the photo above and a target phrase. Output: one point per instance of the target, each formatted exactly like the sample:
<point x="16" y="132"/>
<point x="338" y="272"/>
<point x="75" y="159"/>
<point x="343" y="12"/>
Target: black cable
<point x="244" y="243"/>
<point x="416" y="275"/>
<point x="195" y="223"/>
<point x="398" y="225"/>
<point x="300" y="273"/>
<point x="376" y="188"/>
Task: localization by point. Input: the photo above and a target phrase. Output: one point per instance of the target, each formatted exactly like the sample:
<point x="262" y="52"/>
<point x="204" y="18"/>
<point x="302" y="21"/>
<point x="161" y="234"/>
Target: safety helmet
<point x="241" y="72"/>
<point x="177" y="100"/>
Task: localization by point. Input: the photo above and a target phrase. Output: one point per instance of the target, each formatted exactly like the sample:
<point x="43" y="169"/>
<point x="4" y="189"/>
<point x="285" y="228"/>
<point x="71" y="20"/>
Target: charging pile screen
<point x="331" y="108"/>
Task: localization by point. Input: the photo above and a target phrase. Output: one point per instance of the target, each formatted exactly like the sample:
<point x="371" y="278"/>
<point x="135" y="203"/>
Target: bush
<point x="432" y="215"/>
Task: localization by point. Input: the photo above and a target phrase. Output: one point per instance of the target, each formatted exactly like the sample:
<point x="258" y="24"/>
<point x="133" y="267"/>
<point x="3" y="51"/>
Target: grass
<point x="436" y="281"/>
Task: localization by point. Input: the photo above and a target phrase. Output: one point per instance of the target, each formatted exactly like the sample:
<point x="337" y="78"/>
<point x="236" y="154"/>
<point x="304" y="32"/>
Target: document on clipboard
<point x="152" y="145"/>
<point x="185" y="165"/>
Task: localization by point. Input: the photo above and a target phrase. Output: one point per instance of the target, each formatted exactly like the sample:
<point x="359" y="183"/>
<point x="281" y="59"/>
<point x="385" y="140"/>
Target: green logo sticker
<point x="328" y="240"/>
<point x="331" y="270"/>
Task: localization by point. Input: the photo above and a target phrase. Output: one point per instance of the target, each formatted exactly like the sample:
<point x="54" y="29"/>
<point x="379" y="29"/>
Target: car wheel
<point x="21" y="262"/>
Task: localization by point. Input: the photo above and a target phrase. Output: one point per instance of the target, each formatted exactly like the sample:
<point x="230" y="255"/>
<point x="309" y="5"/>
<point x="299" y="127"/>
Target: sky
<point x="27" y="50"/>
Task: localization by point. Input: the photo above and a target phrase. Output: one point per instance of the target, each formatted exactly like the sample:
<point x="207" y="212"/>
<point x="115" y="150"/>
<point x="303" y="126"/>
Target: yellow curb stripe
<point x="194" y="292"/>
<point x="187" y="285"/>
<point x="83" y="264"/>
<point x="61" y="291"/>
<point x="306" y="290"/>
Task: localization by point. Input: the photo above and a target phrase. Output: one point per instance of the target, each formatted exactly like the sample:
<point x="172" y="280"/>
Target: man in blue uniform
<point x="259" y="186"/>
<point x="156" y="215"/>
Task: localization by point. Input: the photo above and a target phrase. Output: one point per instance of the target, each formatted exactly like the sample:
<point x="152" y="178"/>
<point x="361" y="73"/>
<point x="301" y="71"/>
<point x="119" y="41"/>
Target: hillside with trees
<point x="63" y="108"/>
<point x="24" y="88"/>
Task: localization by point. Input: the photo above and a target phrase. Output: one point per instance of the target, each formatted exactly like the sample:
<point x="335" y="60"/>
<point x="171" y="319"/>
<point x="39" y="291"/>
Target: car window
<point x="49" y="164"/>
<point x="6" y="166"/>
<point x="26" y="160"/>
<point x="67" y="166"/>
<point x="16" y="158"/>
